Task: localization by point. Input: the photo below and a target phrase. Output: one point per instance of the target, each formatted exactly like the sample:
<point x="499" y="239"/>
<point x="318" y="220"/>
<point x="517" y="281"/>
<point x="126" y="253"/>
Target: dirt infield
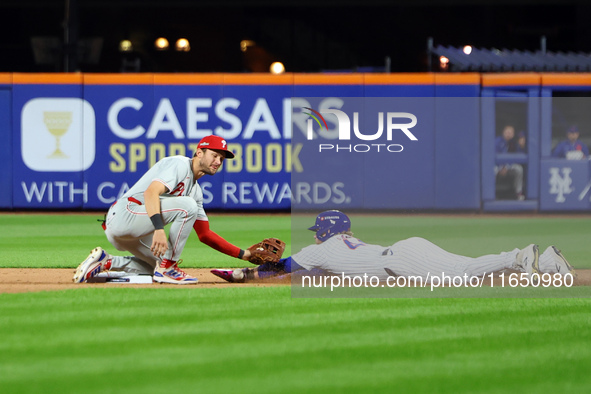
<point x="21" y="280"/>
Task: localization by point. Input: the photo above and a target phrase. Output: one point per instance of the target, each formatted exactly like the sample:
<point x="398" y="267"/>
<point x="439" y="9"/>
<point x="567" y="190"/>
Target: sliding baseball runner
<point x="338" y="252"/>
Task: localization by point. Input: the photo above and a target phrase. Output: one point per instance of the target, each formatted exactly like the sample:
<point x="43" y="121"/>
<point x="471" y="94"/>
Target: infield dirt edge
<point x="22" y="280"/>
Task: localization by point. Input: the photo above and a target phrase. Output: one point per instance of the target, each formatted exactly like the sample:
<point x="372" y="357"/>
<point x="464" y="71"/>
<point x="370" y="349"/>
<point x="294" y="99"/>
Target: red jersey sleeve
<point x="211" y="239"/>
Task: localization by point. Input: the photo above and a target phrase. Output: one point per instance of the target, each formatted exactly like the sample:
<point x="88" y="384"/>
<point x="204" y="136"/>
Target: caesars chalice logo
<point x="58" y="123"/>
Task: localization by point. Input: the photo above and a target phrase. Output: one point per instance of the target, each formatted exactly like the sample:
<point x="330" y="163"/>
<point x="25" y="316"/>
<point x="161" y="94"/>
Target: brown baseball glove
<point x="269" y="250"/>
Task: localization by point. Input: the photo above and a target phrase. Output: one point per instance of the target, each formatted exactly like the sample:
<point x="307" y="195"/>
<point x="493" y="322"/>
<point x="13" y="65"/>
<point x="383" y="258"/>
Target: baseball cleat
<point x="528" y="259"/>
<point x="237" y="275"/>
<point x="224" y="274"/>
<point x="173" y="274"/>
<point x="98" y="260"/>
<point x="562" y="266"/>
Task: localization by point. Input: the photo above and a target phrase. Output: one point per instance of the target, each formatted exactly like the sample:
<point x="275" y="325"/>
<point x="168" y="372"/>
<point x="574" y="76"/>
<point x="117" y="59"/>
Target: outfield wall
<point x="112" y="127"/>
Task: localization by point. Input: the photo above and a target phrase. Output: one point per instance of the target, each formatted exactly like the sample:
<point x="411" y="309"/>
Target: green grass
<point x="259" y="340"/>
<point x="62" y="241"/>
<point x="469" y="235"/>
<point x="262" y="340"/>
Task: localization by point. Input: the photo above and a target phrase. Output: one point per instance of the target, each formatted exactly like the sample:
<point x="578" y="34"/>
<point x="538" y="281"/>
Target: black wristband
<point x="157" y="221"/>
<point x="241" y="254"/>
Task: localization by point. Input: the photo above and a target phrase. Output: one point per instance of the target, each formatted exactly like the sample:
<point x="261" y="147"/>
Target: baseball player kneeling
<point x="167" y="194"/>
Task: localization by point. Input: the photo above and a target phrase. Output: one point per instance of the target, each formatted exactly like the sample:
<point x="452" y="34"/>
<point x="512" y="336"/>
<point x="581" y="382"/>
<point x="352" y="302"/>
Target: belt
<point x="130" y="199"/>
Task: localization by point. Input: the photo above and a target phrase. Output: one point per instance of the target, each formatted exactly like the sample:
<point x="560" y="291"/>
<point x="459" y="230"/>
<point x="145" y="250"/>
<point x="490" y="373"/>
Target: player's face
<point x="508" y="133"/>
<point x="572" y="137"/>
<point x="210" y="160"/>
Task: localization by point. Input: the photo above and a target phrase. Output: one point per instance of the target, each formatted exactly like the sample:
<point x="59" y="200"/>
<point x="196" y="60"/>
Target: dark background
<point x="307" y="36"/>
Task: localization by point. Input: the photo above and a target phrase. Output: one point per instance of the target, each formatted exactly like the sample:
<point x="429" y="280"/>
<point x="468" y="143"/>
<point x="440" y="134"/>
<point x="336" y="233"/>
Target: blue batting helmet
<point x="330" y="223"/>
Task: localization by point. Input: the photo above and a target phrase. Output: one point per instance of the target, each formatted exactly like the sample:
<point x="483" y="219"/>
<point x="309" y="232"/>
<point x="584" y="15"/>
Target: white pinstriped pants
<point x="130" y="229"/>
<point x="420" y="257"/>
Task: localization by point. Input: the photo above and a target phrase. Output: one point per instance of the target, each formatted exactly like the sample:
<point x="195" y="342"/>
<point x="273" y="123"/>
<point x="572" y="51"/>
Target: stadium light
<point x="125" y="46"/>
<point x="244" y="44"/>
<point x="161" y="44"/>
<point x="182" y="45"/>
<point x="467" y="49"/>
<point x="277" y="68"/>
<point x="443" y="62"/>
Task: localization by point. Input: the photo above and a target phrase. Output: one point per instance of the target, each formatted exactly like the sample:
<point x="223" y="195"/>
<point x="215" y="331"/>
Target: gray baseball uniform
<point x="130" y="229"/>
<point x="411" y="257"/>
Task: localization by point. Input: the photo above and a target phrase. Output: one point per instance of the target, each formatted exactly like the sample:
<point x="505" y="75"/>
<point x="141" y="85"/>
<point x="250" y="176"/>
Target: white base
<point x="120" y="277"/>
<point x="135" y="279"/>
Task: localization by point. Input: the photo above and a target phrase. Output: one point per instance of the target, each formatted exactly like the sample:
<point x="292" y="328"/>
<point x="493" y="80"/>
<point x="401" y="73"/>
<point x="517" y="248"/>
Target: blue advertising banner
<point x="5" y="148"/>
<point x="131" y="136"/>
<point x="79" y="141"/>
<point x="364" y="152"/>
<point x="257" y="122"/>
<point x="83" y="148"/>
<point x="54" y="144"/>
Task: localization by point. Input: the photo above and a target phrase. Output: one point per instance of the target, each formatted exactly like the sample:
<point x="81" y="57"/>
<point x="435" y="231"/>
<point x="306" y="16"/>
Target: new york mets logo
<point x="560" y="185"/>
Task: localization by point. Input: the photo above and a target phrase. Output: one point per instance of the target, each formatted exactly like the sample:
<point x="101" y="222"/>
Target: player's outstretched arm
<point x="213" y="240"/>
<point x="264" y="271"/>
